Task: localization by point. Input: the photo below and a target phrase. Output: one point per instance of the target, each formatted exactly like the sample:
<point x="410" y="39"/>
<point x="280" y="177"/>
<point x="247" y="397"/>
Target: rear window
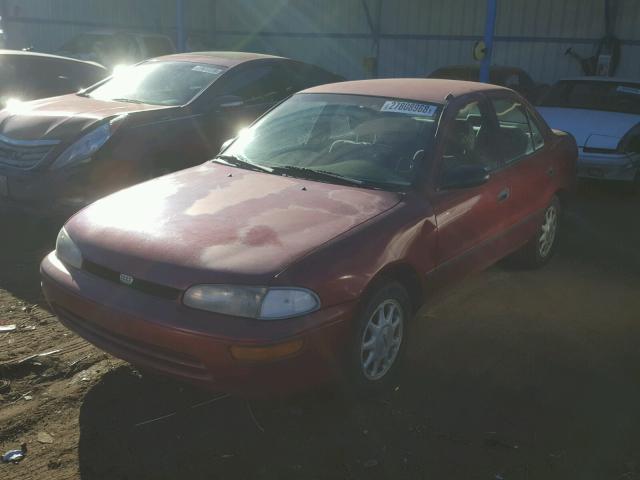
<point x="621" y="97"/>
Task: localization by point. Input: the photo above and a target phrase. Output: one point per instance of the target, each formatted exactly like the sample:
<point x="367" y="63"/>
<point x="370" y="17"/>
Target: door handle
<point x="504" y="194"/>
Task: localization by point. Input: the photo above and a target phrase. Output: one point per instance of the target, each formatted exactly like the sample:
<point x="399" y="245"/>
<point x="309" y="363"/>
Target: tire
<point x="541" y="247"/>
<point x="375" y="358"/>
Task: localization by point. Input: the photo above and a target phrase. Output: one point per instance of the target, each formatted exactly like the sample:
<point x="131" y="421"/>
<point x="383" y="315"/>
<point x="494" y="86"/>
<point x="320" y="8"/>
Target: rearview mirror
<point x="229" y="101"/>
<point x="464" y="176"/>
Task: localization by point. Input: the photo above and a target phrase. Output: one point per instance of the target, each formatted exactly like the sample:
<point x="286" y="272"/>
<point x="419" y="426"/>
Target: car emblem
<point x="126" y="279"/>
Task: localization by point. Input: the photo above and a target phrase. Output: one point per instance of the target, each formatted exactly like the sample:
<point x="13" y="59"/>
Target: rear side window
<point x="536" y="134"/>
<point x="514" y="136"/>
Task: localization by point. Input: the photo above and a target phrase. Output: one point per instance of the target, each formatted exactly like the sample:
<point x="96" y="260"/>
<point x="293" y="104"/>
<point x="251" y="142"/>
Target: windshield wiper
<point x="127" y="100"/>
<point x="235" y="161"/>
<point x="313" y="174"/>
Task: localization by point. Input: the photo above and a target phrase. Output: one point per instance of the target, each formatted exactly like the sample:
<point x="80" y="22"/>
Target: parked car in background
<point x="603" y="114"/>
<point x="511" y="77"/>
<point x="300" y="254"/>
<point x="59" y="154"/>
<point x="114" y="48"/>
<point x="28" y="76"/>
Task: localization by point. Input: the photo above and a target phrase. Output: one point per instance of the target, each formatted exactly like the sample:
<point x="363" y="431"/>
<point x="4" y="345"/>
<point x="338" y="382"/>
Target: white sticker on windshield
<point x="206" y="69"/>
<point x="409" y="108"/>
<point x="623" y="89"/>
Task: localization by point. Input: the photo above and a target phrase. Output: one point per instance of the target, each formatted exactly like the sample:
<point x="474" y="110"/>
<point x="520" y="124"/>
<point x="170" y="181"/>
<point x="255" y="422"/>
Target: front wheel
<point x="379" y="341"/>
<point x="542" y="245"/>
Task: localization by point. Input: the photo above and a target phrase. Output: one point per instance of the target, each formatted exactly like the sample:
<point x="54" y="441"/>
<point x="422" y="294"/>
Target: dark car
<point x="58" y="154"/>
<point x="301" y="253"/>
<point x="28" y="76"/>
<point x="511" y="77"/>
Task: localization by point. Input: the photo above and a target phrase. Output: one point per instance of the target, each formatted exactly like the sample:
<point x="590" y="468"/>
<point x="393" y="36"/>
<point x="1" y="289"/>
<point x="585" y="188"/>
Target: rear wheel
<point x="379" y="341"/>
<point x="542" y="245"/>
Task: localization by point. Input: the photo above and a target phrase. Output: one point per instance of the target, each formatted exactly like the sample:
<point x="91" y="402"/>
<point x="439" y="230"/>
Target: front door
<point x="469" y="219"/>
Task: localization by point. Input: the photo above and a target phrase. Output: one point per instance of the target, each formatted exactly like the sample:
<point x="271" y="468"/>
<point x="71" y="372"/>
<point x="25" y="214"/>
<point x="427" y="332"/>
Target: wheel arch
<point x="564" y="195"/>
<point x="407" y="276"/>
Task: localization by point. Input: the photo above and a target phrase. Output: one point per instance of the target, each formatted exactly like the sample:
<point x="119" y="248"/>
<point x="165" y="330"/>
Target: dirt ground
<point x="512" y="375"/>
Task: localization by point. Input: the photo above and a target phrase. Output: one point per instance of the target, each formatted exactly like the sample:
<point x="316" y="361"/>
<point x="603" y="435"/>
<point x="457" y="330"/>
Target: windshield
<point x="372" y="140"/>
<point x="621" y="97"/>
<point x="158" y="83"/>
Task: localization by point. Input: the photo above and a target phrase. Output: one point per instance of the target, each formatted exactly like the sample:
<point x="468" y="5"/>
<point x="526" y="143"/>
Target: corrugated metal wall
<point x="416" y="36"/>
<point x="46" y="24"/>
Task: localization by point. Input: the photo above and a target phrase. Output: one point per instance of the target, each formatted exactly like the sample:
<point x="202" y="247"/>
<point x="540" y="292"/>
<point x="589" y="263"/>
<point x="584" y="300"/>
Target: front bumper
<point x="608" y="166"/>
<point x="43" y="193"/>
<point x="167" y="337"/>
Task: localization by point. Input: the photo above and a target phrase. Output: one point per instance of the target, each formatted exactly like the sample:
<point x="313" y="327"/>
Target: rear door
<point x="469" y="220"/>
<point x="526" y="163"/>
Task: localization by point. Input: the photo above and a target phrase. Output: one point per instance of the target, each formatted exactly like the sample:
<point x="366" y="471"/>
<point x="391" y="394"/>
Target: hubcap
<point x="548" y="231"/>
<point x="381" y="340"/>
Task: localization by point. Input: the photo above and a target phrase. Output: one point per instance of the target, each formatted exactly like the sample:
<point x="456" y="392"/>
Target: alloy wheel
<point x="548" y="231"/>
<point x="382" y="339"/>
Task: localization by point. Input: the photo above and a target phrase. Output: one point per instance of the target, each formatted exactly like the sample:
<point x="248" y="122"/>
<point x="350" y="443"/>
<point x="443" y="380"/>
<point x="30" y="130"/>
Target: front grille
<point x="24" y="153"/>
<point x="150" y="288"/>
<point x="133" y="350"/>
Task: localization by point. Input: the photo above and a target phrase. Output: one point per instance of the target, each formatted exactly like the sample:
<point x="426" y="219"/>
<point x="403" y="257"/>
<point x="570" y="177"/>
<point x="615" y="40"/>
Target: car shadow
<point x="601" y="226"/>
<point x="23" y="244"/>
<point x="145" y="427"/>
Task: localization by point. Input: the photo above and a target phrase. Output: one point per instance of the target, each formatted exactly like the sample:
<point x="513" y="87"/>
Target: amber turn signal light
<point x="266" y="353"/>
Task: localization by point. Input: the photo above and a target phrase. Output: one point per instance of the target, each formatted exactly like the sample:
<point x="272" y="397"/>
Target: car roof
<point x="47" y="55"/>
<point x="419" y="89"/>
<point x="600" y="79"/>
<point x="226" y="59"/>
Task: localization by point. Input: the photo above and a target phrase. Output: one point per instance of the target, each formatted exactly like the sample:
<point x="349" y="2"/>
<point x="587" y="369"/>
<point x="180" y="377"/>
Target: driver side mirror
<point x="228" y="101"/>
<point x="464" y="176"/>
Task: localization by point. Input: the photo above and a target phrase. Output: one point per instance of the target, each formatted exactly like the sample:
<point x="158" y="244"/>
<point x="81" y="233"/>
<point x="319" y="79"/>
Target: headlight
<point x="66" y="250"/>
<point x="252" y="302"/>
<point x="82" y="149"/>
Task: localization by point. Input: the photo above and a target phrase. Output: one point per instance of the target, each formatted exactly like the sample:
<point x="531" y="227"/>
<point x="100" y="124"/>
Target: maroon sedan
<point x="300" y="254"/>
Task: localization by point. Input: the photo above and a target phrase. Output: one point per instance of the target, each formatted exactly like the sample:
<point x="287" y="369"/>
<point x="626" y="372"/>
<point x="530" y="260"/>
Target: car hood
<point x="62" y="118"/>
<point x="214" y="223"/>
<point x="582" y="123"/>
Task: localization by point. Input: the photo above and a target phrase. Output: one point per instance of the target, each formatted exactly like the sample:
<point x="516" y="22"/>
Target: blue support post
<point x="489" y="30"/>
<point x="180" y="34"/>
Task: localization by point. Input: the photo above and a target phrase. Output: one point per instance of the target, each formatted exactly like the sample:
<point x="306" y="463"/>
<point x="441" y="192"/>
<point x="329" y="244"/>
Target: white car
<point x="603" y="114"/>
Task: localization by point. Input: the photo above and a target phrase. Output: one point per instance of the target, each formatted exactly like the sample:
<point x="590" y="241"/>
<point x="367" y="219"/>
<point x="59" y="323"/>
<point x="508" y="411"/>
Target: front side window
<point x="467" y="141"/>
<point x="373" y="141"/>
<point x="158" y="83"/>
<point x="257" y="85"/>
<point x="514" y="139"/>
